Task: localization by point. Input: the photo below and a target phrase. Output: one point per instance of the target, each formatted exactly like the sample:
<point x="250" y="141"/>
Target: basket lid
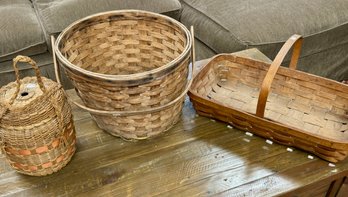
<point x="29" y="91"/>
<point x="25" y="96"/>
<point x="31" y="105"/>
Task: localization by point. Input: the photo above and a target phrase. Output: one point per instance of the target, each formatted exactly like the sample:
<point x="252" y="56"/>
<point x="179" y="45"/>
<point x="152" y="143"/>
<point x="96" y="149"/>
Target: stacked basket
<point x="129" y="67"/>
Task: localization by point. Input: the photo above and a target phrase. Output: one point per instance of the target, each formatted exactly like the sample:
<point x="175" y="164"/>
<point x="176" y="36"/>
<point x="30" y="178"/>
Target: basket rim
<point x="138" y="112"/>
<point x="167" y="68"/>
<point x="196" y="97"/>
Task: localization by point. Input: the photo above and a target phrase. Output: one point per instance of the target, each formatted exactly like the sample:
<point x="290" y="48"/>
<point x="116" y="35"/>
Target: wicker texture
<point x="116" y="59"/>
<point x="130" y="68"/>
<point x="302" y="110"/>
<point x="36" y="127"/>
<point x="141" y="125"/>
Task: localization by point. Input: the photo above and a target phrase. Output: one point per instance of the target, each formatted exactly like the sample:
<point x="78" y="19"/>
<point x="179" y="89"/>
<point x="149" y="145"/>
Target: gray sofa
<point x="233" y="25"/>
<point x="221" y="26"/>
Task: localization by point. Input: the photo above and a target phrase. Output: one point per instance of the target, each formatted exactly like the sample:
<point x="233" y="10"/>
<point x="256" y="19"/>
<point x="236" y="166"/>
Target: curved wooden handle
<point x="295" y="40"/>
<point x="123" y="113"/>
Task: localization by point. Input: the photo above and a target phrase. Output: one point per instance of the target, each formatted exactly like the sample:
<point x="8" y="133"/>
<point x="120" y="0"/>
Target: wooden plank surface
<point x="343" y="192"/>
<point x="197" y="157"/>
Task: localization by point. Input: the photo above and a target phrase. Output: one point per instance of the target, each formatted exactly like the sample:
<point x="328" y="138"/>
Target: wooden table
<point x="199" y="156"/>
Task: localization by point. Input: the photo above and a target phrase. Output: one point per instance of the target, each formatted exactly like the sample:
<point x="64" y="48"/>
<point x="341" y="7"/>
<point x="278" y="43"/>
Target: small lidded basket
<point x="36" y="126"/>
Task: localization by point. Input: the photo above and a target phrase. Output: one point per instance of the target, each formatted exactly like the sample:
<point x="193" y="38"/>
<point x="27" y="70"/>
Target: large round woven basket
<point x="127" y="66"/>
<point x="125" y="60"/>
<point x="36" y="126"/>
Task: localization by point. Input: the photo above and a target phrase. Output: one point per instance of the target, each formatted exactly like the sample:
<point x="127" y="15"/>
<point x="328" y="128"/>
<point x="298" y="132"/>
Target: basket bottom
<point x="49" y="162"/>
<point x="51" y="170"/>
<point x="327" y="153"/>
<point x="141" y="126"/>
<point x="280" y="108"/>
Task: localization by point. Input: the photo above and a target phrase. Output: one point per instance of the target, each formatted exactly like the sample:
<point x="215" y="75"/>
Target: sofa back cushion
<point x="229" y="26"/>
<point x="21" y="32"/>
<point x="57" y="14"/>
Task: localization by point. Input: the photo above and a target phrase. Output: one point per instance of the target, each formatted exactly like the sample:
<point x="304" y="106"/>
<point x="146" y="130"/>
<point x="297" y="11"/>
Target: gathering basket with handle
<point x="37" y="132"/>
<point x="282" y="104"/>
<point x="130" y="69"/>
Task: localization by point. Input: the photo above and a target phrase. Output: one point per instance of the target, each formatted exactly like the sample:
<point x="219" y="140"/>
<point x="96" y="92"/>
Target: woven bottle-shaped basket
<point x="36" y="126"/>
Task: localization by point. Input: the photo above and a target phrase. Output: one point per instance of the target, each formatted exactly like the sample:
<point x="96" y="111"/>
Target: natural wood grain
<point x="317" y="189"/>
<point x="197" y="157"/>
<point x="275" y="184"/>
<point x="192" y="170"/>
<point x="234" y="177"/>
<point x="344" y="188"/>
<point x="335" y="187"/>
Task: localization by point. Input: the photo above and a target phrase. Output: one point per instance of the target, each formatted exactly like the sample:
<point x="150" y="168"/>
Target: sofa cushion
<point x="57" y="14"/>
<point x="228" y="26"/>
<point x="21" y="32"/>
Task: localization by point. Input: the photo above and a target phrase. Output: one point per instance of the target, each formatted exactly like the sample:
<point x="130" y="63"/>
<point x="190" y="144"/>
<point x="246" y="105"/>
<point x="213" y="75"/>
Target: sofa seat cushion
<point x="21" y="32"/>
<point x="228" y="26"/>
<point x="57" y="15"/>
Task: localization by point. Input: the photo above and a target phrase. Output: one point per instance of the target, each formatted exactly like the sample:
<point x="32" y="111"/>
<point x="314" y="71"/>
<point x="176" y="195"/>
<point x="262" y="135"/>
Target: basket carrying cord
<point x="296" y="41"/>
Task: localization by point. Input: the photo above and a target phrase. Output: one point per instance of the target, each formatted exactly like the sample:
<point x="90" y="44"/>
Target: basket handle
<point x="122" y="113"/>
<point x="26" y="59"/>
<point x="193" y="53"/>
<point x="296" y="41"/>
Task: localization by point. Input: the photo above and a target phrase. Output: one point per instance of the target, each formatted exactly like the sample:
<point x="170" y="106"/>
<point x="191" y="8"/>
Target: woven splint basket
<point x="36" y="126"/>
<point x="287" y="106"/>
<point x="128" y="67"/>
